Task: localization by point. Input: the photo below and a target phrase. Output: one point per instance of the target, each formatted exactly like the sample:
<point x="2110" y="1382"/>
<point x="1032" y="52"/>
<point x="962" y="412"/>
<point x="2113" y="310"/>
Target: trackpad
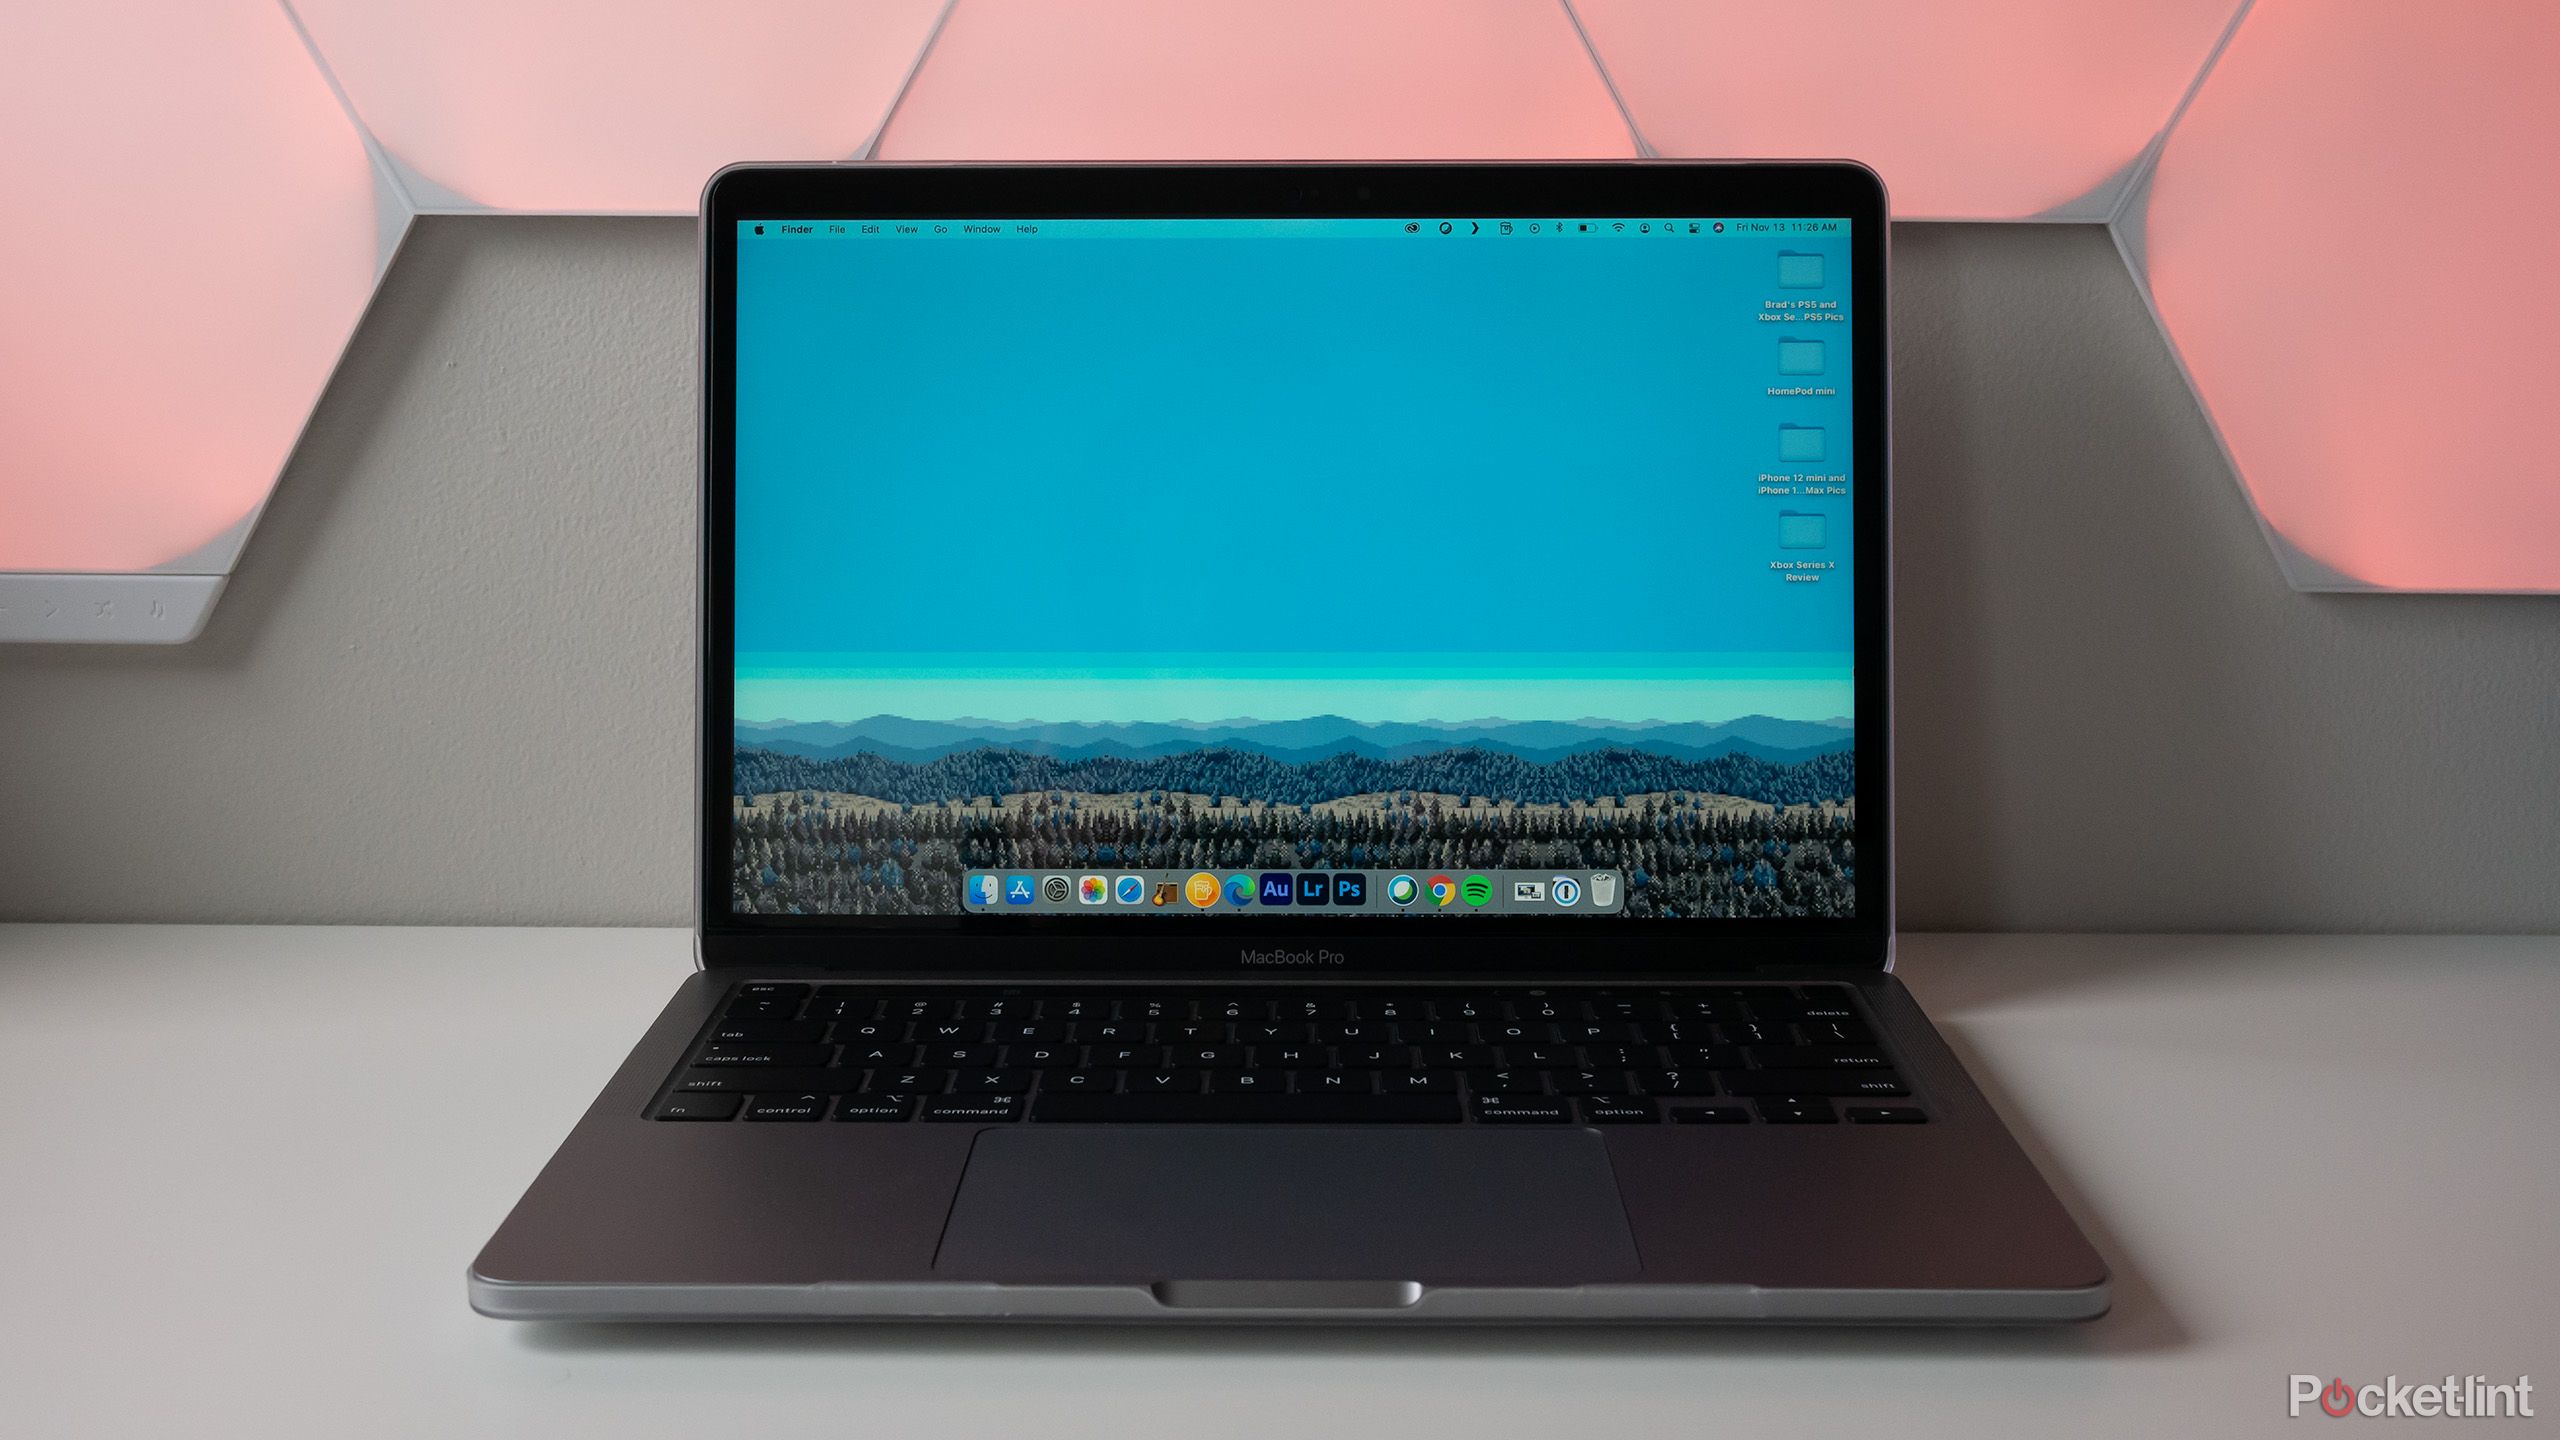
<point x="1229" y="1202"/>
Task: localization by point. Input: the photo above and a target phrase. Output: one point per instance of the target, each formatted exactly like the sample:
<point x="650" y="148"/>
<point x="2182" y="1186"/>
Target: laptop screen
<point x="1448" y="567"/>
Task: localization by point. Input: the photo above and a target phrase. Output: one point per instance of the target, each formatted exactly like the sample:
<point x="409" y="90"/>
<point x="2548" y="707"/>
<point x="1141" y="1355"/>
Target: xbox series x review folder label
<point x="1233" y="557"/>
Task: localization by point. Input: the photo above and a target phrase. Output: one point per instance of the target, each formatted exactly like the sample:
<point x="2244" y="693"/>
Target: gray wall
<point x="451" y="681"/>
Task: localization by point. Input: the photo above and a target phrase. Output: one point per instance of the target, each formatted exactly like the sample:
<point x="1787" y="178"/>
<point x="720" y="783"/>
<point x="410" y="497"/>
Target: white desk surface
<point x="241" y="1171"/>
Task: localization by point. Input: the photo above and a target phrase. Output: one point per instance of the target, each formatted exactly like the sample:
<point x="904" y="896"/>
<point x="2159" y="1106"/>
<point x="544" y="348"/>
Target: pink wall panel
<point x="2351" y="239"/>
<point x="193" y="239"/>
<point x="517" y="105"/>
<point x="1256" y="79"/>
<point x="1970" y="109"/>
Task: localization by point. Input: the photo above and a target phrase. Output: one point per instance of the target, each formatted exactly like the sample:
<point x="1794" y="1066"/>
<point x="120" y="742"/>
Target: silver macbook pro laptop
<point x="1294" y="743"/>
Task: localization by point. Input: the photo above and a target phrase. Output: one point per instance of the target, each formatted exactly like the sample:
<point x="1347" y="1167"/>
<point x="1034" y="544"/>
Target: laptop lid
<point x="1321" y="572"/>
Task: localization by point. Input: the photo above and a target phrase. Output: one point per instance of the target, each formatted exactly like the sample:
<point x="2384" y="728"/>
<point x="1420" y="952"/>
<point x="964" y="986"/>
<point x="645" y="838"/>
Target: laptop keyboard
<point x="1716" y="1055"/>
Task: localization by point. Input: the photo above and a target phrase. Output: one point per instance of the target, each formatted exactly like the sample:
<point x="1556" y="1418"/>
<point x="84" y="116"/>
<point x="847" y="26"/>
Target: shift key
<point x="1811" y="1082"/>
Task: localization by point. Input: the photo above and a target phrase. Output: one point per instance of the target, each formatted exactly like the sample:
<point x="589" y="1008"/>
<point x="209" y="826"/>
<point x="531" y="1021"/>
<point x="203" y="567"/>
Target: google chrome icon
<point x="1402" y="890"/>
<point x="1441" y="889"/>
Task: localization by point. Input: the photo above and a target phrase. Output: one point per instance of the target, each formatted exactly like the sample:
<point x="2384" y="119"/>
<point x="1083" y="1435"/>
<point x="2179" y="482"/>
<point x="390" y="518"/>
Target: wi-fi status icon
<point x="1619" y="225"/>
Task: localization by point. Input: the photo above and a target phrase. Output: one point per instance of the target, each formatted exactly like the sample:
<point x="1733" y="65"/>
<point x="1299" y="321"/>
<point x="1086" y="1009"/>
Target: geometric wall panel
<point x="2341" y="213"/>
<point x="1970" y="109"/>
<point x="1256" y="79"/>
<point x="627" y="107"/>
<point x="195" y="230"/>
<point x="2353" y="240"/>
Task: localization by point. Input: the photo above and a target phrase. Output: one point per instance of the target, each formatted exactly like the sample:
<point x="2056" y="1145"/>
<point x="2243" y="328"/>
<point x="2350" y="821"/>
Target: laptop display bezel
<point x="1279" y="947"/>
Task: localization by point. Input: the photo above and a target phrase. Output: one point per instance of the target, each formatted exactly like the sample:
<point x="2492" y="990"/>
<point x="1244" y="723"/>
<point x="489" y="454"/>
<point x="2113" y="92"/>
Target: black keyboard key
<point x="908" y="1082"/>
<point x="1525" y="1033"/>
<point x="867" y="1032"/>
<point x="1041" y="1057"/>
<point x="1333" y="1082"/>
<point x="960" y="1057"/>
<point x="1811" y="1082"/>
<point x="1248" y="1082"/>
<point x="1026" y="1032"/>
<point x="991" y="1082"/>
<point x="1836" y="1032"/>
<point x="1606" y="1034"/>
<point x="744" y="1056"/>
<point x="1417" y="1082"/>
<point x="768" y="1032"/>
<point x="1374" y="1057"/>
<point x="852" y="1012"/>
<point x="845" y="992"/>
<point x="1816" y="1057"/>
<point x="1126" y="1057"/>
<point x="700" y="1107"/>
<point x="1506" y="1082"/>
<point x="773" y="990"/>
<point x="1462" y="1057"/>
<point x="883" y="1055"/>
<point x="762" y="1010"/>
<point x="1706" y="1057"/>
<point x="1095" y="1080"/>
<point x="1885" y="1115"/>
<point x="1619" y="1111"/>
<point x="947" y="1032"/>
<point x="740" y="1082"/>
<point x="1246" y="1109"/>
<point x="875" y="1107"/>
<point x="786" y="1107"/>
<point x="1506" y="1110"/>
<point x="1591" y="1082"/>
<point x="1796" y="1110"/>
<point x="1165" y="1082"/>
<point x="1745" y="1032"/>
<point x="981" y="1108"/>
<point x="909" y="1007"/>
<point x="1537" y="1057"/>
<point x="1676" y="1082"/>
<point x="1209" y="1057"/>
<point x="1621" y="1057"/>
<point x="1709" y="1115"/>
<point x="1292" y="1057"/>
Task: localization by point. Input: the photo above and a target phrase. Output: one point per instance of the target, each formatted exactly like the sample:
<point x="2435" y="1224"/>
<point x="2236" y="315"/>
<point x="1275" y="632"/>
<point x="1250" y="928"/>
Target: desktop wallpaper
<point x="1287" y="546"/>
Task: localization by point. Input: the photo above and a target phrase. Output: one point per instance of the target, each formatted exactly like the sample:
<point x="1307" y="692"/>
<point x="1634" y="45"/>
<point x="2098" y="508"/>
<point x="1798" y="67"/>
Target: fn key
<point x="701" y="1107"/>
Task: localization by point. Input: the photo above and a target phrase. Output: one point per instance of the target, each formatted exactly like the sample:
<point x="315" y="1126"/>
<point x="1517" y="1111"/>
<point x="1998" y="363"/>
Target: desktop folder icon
<point x="1798" y="270"/>
<point x="1800" y="442"/>
<point x="1799" y="357"/>
<point x="1800" y="530"/>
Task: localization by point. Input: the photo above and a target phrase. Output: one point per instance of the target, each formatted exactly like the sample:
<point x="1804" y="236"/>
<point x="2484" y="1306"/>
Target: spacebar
<point x="1253" y="1109"/>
